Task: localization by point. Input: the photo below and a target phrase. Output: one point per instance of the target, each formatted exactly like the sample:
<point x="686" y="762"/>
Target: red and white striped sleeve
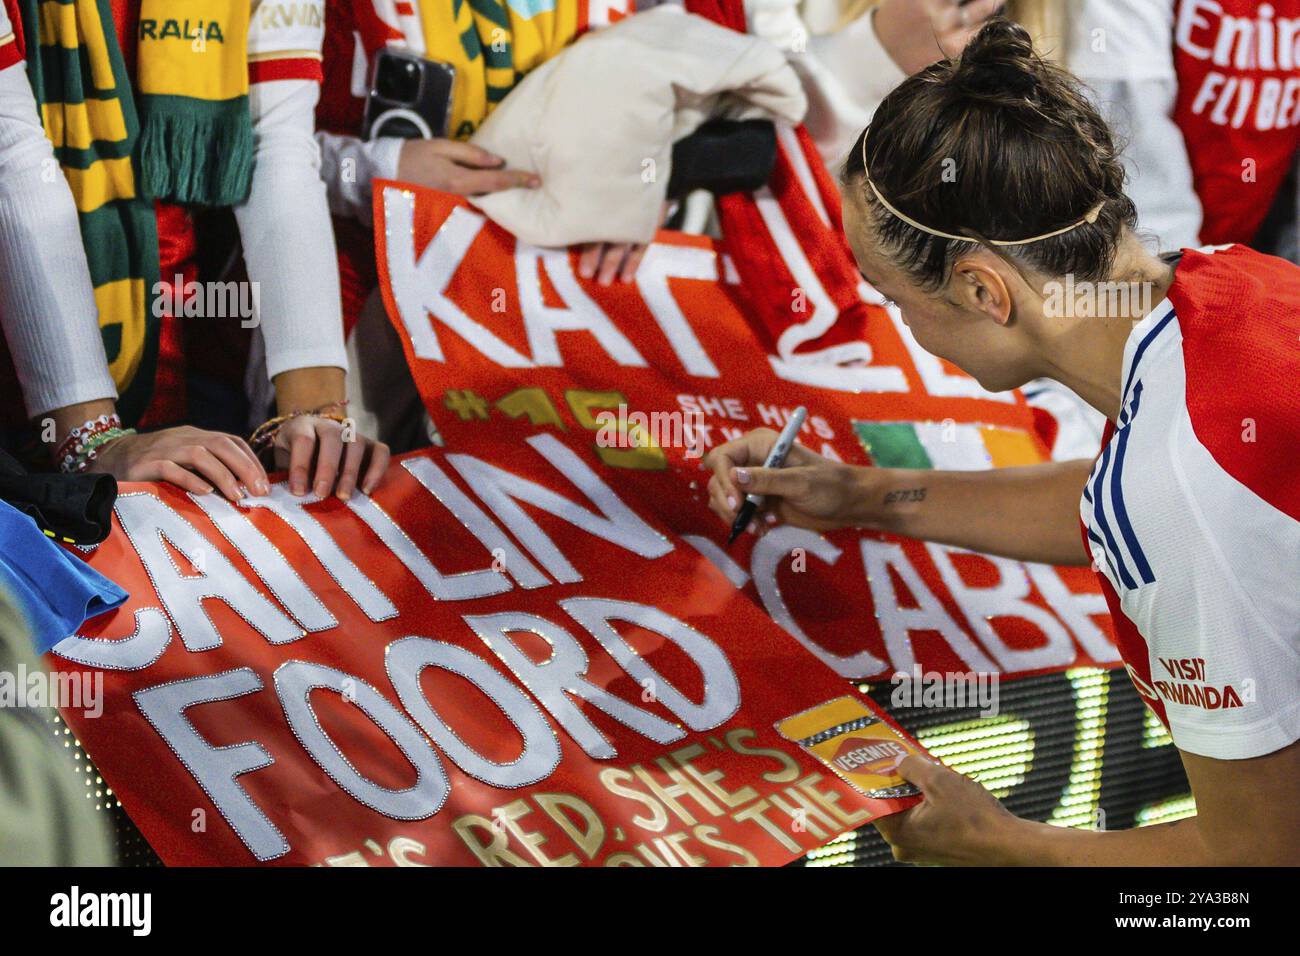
<point x="11" y="48"/>
<point x="284" y="40"/>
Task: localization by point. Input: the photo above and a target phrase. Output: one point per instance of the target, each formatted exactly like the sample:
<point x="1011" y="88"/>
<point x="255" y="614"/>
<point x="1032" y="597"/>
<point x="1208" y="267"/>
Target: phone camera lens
<point x="398" y="80"/>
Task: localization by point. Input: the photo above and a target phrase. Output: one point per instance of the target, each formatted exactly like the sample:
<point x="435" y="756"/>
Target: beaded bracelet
<point x="266" y="432"/>
<point x="83" y="444"/>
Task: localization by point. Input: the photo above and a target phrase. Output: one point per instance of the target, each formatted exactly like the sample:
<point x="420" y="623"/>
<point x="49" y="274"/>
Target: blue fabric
<point x="56" y="592"/>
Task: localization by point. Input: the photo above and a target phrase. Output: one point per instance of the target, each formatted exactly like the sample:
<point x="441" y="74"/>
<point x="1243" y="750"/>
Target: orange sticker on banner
<point x="855" y="743"/>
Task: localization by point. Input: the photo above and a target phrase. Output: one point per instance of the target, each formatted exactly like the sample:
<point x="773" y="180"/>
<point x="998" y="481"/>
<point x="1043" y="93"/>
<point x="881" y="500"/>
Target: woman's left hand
<point x="959" y="823"/>
<point x="342" y="457"/>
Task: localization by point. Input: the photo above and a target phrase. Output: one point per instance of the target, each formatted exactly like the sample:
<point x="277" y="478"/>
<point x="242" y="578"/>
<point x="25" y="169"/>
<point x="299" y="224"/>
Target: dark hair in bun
<point x="998" y="144"/>
<point x="999" y="61"/>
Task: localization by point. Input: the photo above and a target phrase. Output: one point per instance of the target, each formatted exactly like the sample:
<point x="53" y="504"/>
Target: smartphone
<point x="409" y="97"/>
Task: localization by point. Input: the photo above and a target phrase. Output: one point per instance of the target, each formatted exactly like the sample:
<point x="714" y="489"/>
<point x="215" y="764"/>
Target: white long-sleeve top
<point x="349" y="165"/>
<point x="287" y="234"/>
<point x="47" y="302"/>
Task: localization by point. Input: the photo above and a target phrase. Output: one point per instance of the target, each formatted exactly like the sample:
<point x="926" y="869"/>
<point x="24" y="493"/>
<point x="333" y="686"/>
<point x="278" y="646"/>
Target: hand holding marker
<point x="775" y="459"/>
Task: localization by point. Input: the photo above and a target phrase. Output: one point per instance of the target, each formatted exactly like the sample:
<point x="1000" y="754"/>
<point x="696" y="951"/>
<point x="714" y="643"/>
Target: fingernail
<point x="731" y="502"/>
<point x="534" y="182"/>
<point x="261" y="487"/>
<point x="322" y="489"/>
<point x="770" y="518"/>
<point x="742" y="476"/>
<point x="753" y="527"/>
<point x="344" y="495"/>
<point x="298" y="487"/>
<point x="207" y="490"/>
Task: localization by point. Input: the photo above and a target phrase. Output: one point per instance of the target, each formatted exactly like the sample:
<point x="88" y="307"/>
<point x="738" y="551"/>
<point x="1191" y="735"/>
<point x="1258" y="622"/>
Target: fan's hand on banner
<point x="809" y="492"/>
<point x="959" y="823"/>
<point x="341" y="453"/>
<point x="461" y="168"/>
<point x="605" y="261"/>
<point x="190" y="458"/>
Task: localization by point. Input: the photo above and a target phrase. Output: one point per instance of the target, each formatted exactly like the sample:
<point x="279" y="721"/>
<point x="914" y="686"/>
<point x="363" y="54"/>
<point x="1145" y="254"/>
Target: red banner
<point x="508" y="345"/>
<point x="435" y="675"/>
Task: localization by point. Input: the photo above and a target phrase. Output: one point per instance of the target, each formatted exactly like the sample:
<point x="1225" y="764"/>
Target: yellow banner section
<point x="859" y="747"/>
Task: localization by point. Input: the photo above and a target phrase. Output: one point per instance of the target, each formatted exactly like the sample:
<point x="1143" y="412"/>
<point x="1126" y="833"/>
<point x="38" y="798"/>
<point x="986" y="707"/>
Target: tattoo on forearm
<point x="904" y="495"/>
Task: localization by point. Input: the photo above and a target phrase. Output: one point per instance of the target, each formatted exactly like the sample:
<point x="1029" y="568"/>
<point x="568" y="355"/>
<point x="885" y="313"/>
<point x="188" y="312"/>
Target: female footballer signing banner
<point x="983" y="188"/>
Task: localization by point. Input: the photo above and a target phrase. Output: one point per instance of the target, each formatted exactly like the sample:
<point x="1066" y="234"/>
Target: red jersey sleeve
<point x="11" y="41"/>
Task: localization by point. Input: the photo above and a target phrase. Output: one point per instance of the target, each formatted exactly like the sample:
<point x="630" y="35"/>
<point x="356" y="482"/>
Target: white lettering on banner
<point x="294" y="682"/>
<point x="719" y="558"/>
<point x="721" y="688"/>
<point x="562" y="674"/>
<point x="466" y="586"/>
<point x="151" y="525"/>
<point x="291" y="509"/>
<point x="419" y="287"/>
<point x="419" y="291"/>
<point x="270" y="565"/>
<point x="406" y="659"/>
<point x="136" y="651"/>
<point x="660" y="264"/>
<point x="435" y="480"/>
<point x="216" y="769"/>
<point x="578" y="314"/>
<point x="1007" y="598"/>
<point x="417" y="727"/>
<point x="617" y="523"/>
<point x="897" y="622"/>
<point x="765" y="561"/>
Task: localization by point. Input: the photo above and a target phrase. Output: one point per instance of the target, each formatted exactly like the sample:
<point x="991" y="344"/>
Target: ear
<point x="979" y="283"/>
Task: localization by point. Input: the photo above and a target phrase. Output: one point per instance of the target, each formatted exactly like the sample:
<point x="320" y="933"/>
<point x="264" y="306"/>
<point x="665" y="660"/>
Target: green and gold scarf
<point x="184" y="135"/>
<point x="492" y="44"/>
